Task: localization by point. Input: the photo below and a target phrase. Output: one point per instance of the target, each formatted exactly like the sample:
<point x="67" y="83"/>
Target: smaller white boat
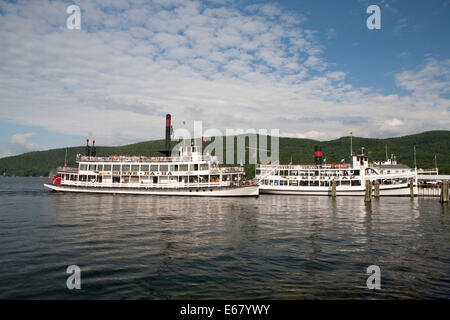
<point x="394" y="179"/>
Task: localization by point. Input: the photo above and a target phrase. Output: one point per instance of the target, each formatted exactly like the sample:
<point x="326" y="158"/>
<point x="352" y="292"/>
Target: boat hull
<point x="326" y="191"/>
<point x="243" y="191"/>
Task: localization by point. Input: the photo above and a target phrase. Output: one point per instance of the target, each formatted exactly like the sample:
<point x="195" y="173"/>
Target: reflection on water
<point x="275" y="247"/>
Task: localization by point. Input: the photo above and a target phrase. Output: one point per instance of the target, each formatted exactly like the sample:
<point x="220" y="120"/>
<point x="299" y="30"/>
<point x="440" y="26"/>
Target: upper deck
<point x="185" y="154"/>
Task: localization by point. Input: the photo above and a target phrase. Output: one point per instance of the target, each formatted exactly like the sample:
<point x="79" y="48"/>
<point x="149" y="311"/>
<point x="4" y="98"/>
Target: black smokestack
<point x="167" y="151"/>
<point x="168" y="131"/>
<point x="88" y="150"/>
<point x="318" y="155"/>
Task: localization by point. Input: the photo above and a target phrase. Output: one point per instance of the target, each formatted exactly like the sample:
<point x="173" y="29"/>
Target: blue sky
<point x="309" y="68"/>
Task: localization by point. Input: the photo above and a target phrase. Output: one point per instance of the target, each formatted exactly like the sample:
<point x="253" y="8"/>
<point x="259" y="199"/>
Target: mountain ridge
<point x="300" y="150"/>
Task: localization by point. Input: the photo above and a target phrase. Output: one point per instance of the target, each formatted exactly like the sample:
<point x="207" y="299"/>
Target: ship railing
<point x="229" y="169"/>
<point x="179" y="185"/>
<point x="427" y="171"/>
<point x="302" y="166"/>
<point x="67" y="170"/>
<point x="410" y="175"/>
<point x="267" y="174"/>
<point x="82" y="158"/>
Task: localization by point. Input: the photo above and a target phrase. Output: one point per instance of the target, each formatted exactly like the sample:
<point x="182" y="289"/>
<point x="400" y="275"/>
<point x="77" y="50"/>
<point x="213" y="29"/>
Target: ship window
<point x="163" y="167"/>
<point x="99" y="167"/>
<point x="83" y="166"/>
<point x="283" y="183"/>
<point x="125" y="168"/>
<point x="144" y="167"/>
<point x="153" y="167"/>
<point x="204" y="166"/>
<point x="134" y="167"/>
<point x="356" y="182"/>
<point x="92" y="167"/>
<point x="107" y="167"/>
<point x="116" y="167"/>
<point x="345" y="182"/>
<point x="293" y="183"/>
<point x="172" y="167"/>
<point x="184" y="167"/>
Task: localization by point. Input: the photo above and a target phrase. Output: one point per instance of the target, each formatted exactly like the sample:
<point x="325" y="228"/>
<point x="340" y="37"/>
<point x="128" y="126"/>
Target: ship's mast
<point x="351" y="144"/>
<point x="65" y="157"/>
<point x="415" y="161"/>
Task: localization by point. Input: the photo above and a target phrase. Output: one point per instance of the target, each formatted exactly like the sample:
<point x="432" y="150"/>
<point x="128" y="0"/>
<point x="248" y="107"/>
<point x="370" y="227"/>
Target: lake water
<point x="271" y="247"/>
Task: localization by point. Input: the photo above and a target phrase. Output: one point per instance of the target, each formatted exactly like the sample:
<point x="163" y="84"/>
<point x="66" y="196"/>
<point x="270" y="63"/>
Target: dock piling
<point x="444" y="191"/>
<point x="411" y="188"/>
<point x="377" y="189"/>
<point x="368" y="195"/>
<point x="333" y="188"/>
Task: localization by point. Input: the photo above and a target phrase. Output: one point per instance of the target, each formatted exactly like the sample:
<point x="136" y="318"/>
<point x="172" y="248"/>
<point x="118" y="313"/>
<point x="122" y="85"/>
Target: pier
<point x="433" y="186"/>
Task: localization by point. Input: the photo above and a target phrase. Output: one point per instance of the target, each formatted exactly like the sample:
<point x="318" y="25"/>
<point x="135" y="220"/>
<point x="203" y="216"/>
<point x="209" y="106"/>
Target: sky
<point x="311" y="69"/>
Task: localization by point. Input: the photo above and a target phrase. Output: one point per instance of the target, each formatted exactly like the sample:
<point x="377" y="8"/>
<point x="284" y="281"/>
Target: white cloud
<point x="433" y="79"/>
<point x="131" y="63"/>
<point x="19" y="143"/>
<point x="21" y="138"/>
<point x="312" y="134"/>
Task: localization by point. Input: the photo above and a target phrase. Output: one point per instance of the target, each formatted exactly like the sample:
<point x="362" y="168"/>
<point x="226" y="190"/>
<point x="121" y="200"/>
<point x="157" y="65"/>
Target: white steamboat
<point x="350" y="179"/>
<point x="189" y="173"/>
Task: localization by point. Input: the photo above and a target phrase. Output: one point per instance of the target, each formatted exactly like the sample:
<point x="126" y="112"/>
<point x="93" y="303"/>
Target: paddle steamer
<point x="187" y="173"/>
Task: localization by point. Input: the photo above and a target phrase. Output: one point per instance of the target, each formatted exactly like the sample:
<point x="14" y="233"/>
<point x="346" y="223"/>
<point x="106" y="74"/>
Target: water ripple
<point x="273" y="247"/>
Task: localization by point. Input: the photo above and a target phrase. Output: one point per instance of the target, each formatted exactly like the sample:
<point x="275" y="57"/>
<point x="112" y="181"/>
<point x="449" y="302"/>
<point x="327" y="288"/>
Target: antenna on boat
<point x="94" y="149"/>
<point x="351" y="144"/>
<point x="65" y="157"/>
<point x="415" y="160"/>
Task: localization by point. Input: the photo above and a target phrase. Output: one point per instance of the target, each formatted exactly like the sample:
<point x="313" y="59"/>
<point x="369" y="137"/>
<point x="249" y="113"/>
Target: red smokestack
<point x="318" y="155"/>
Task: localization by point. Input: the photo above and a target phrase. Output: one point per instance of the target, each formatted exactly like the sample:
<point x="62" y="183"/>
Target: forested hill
<point x="428" y="144"/>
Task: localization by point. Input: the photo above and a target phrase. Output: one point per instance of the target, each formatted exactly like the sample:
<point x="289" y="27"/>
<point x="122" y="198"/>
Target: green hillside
<point x="41" y="163"/>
